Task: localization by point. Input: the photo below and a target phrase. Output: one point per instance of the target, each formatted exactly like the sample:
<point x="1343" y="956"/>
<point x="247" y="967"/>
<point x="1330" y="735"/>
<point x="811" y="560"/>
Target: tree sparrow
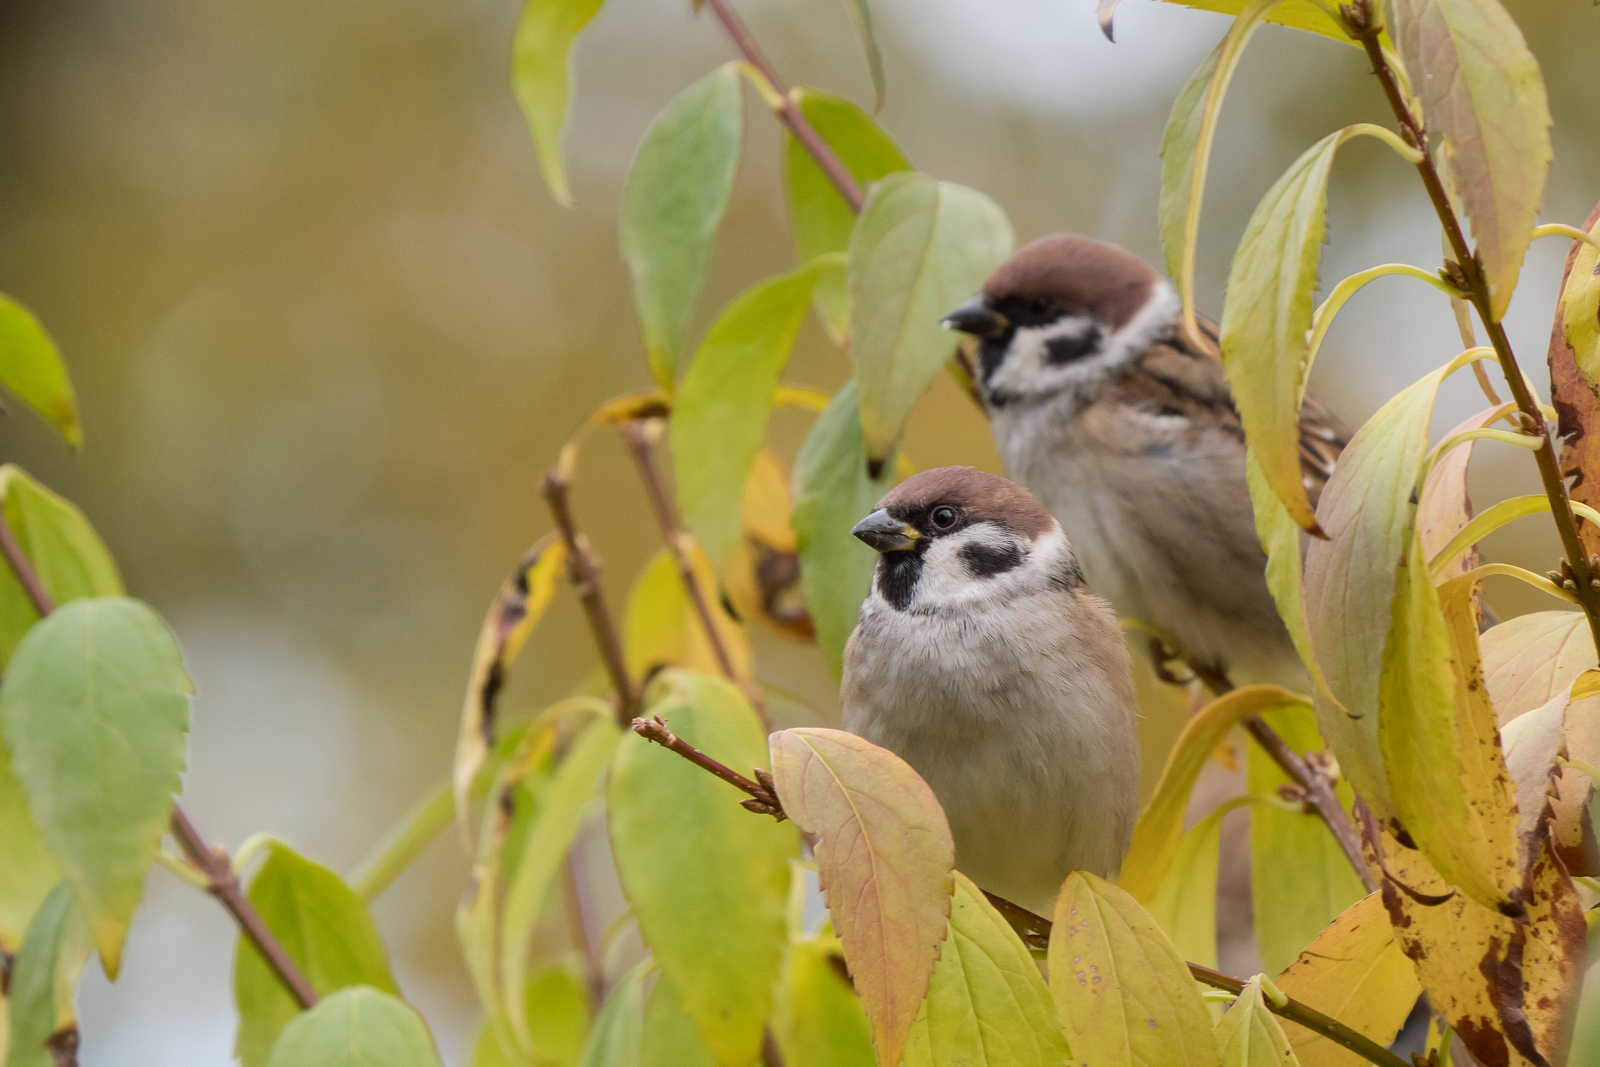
<point x="981" y="658"/>
<point x="1129" y="435"/>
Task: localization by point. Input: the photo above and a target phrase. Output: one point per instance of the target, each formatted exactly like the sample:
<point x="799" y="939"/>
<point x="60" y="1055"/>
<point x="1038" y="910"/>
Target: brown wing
<point x="1180" y="379"/>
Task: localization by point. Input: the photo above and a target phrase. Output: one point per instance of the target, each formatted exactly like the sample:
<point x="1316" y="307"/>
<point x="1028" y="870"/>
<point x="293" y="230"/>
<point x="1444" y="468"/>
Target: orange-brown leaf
<point x="884" y="861"/>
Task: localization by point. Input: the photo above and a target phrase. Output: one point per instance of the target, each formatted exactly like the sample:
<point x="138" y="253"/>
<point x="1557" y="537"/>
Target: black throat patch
<point x="897" y="575"/>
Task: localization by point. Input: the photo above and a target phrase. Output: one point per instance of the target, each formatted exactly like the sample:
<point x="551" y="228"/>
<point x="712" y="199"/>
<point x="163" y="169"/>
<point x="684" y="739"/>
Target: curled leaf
<point x="1572" y="392"/>
<point x="884" y="861"/>
<point x="31" y="369"/>
<point x="516" y="610"/>
<point x="44" y="980"/>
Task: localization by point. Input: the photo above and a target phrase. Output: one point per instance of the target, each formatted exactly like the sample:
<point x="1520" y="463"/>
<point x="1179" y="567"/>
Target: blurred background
<point x="328" y="327"/>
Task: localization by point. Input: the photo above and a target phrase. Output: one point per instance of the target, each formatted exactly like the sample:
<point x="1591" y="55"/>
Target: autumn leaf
<point x="1355" y="971"/>
<point x="1480" y="87"/>
<point x="1529" y="659"/>
<point x="1124" y="994"/>
<point x="884" y="861"/>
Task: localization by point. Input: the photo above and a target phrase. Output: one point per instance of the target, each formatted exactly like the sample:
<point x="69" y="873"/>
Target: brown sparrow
<point x="982" y="660"/>
<point x="1129" y="435"/>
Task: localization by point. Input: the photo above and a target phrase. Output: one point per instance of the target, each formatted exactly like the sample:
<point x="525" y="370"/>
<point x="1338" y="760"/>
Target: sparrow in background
<point x="1129" y="435"/>
<point x="982" y="660"/>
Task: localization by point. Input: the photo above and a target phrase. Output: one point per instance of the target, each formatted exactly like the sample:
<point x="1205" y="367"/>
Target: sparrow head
<point x="1059" y="314"/>
<point x="957" y="536"/>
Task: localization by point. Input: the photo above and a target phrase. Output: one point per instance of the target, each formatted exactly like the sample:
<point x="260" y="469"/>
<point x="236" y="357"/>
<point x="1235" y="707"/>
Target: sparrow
<point x="981" y="658"/>
<point x="1129" y="435"/>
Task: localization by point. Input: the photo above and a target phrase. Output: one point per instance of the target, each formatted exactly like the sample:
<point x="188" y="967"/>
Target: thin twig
<point x="1036" y="927"/>
<point x="640" y="445"/>
<point x="216" y="865"/>
<point x="222" y="883"/>
<point x="584" y="571"/>
<point x="26" y="575"/>
<point x="1308" y="774"/>
<point x="788" y="112"/>
<point x="1469" y="277"/>
<point x="578" y="931"/>
<point x="763" y="796"/>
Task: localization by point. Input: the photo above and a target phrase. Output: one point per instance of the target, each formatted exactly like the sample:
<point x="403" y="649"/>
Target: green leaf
<point x="95" y="709"/>
<point x="1186" y="147"/>
<point x="1297" y="869"/>
<point x="31" y="368"/>
<point x="669" y="1038"/>
<point x="1268" y="314"/>
<point x="1280" y="537"/>
<point x="356" y="1027"/>
<point x="28" y="873"/>
<point x="44" y="980"/>
<point x="720" y="413"/>
<point x="819" y="216"/>
<point x="558" y="1020"/>
<point x="921" y="247"/>
<point x="558" y="814"/>
<point x="706" y="880"/>
<point x="817" y="1020"/>
<point x="1580" y="309"/>
<point x="861" y="19"/>
<point x="325" y="929"/>
<point x="67" y="555"/>
<point x="616" y="1037"/>
<point x="1123" y="993"/>
<point x="1249" y="1034"/>
<point x="885" y="862"/>
<point x="832" y="492"/>
<point x="1157" y="834"/>
<point x="1185" y="905"/>
<point x="677" y="190"/>
<point x="1480" y="87"/>
<point x="987" y="1004"/>
<point x="1412" y="729"/>
<point x="1356" y="972"/>
<point x="539" y="78"/>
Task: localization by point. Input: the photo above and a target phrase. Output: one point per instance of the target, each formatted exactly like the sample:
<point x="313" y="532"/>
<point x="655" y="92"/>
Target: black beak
<point x="977" y="318"/>
<point x="883" y="533"/>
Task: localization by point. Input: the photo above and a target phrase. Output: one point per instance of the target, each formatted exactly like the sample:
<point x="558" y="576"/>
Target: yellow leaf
<point x="516" y="610"/>
<point x="662" y="628"/>
<point x="884" y="861"/>
<point x="1249" y="1034"/>
<point x="1185" y="905"/>
<point x="1445" y="509"/>
<point x="987" y="1005"/>
<point x="1123" y="993"/>
<point x="1301" y="14"/>
<point x="1356" y="972"/>
<point x="762" y="578"/>
<point x="1445" y="769"/>
<point x="817" y="1020"/>
<point x="1160" y="826"/>
<point x="1507" y="986"/>
<point x="1580" y="310"/>
<point x="1480" y="87"/>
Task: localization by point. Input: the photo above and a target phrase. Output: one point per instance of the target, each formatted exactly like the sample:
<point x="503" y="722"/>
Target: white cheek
<point x="947" y="580"/>
<point x="1027" y="369"/>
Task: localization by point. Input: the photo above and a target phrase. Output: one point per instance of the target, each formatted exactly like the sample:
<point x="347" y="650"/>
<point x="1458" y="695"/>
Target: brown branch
<point x="1467" y="271"/>
<point x="638" y="437"/>
<point x="217" y="866"/>
<point x="213" y="863"/>
<point x="763" y="797"/>
<point x="788" y="111"/>
<point x="1309" y="774"/>
<point x="584" y="571"/>
<point x="27" y="577"/>
<point x="578" y="931"/>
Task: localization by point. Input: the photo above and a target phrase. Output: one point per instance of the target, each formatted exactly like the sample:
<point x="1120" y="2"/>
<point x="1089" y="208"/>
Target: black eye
<point x="1039" y="305"/>
<point x="943" y="517"/>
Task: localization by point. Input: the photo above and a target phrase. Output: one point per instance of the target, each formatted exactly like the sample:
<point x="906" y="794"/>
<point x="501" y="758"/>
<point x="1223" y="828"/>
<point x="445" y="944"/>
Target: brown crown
<point x="978" y="493"/>
<point x="1080" y="274"/>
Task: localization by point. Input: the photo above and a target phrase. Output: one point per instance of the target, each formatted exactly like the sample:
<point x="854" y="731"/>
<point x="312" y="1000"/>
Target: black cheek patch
<point x="897" y="577"/>
<point x="1059" y="350"/>
<point x="986" y="561"/>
